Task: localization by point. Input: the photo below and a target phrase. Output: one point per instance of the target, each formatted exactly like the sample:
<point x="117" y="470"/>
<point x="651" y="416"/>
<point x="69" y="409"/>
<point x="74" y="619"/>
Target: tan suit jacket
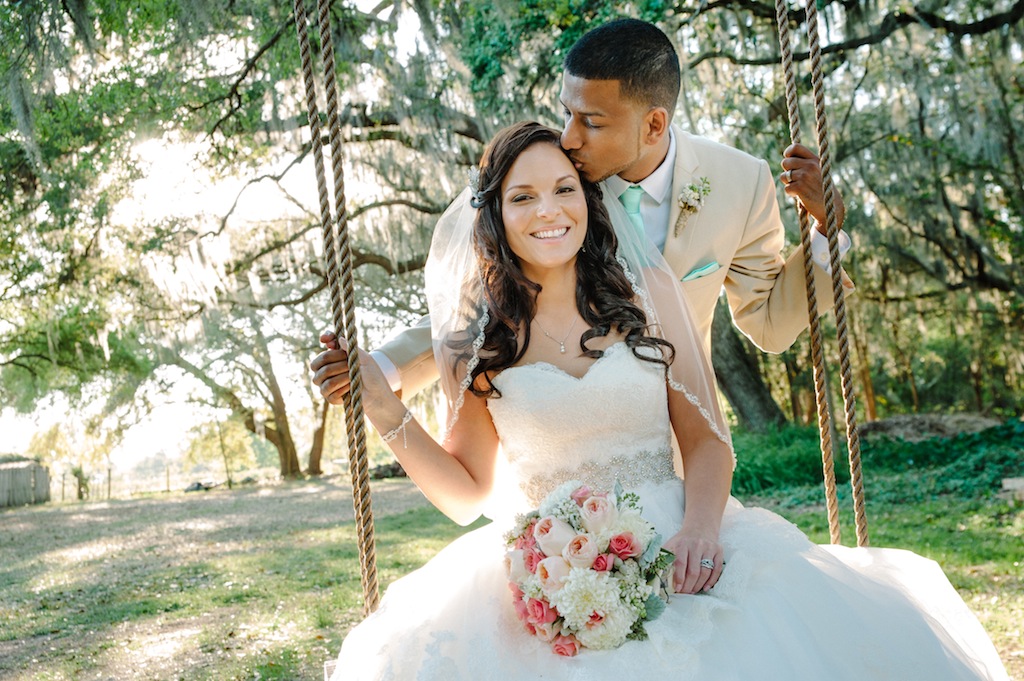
<point x="738" y="228"/>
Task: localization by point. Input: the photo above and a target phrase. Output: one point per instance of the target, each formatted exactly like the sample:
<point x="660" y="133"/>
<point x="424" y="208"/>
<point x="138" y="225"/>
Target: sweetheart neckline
<point x="548" y="366"/>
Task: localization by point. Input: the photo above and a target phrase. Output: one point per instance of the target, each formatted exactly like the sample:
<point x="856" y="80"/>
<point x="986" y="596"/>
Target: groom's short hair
<point x="635" y="53"/>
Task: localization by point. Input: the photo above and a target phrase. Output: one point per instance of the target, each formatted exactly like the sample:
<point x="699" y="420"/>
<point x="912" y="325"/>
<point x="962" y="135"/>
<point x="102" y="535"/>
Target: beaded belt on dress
<point x="630" y="470"/>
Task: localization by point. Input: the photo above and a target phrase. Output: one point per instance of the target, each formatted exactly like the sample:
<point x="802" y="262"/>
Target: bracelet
<point x="393" y="433"/>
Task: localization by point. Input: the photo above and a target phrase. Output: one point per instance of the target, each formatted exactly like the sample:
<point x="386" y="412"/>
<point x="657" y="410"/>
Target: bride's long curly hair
<point x="604" y="296"/>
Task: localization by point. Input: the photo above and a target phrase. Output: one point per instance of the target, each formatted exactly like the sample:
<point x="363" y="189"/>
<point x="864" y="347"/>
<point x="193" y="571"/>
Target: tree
<point x="739" y="375"/>
<point x="94" y="299"/>
<point x="225" y="442"/>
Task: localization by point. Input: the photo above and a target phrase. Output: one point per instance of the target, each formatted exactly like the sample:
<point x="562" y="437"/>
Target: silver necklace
<point x="561" y="343"/>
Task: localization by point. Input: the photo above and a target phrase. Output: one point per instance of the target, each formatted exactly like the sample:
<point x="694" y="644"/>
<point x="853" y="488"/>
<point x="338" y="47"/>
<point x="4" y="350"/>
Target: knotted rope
<point x="338" y="252"/>
<point x="832" y="228"/>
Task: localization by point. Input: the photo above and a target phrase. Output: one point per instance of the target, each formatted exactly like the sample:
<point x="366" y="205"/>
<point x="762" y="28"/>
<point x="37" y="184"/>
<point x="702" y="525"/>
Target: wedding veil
<point x="459" y="312"/>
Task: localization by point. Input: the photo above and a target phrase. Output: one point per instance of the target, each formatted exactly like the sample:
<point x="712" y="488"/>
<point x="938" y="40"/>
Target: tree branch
<point x="889" y="24"/>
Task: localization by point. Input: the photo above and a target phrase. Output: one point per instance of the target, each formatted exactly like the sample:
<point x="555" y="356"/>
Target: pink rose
<point x="552" y="573"/>
<point x="595" y="619"/>
<point x="515" y="566"/>
<point x="625" y="546"/>
<point x="580" y="551"/>
<point x="531" y="559"/>
<point x="603" y="562"/>
<point x="581" y="494"/>
<point x="552" y="535"/>
<point x="538" y="611"/>
<point x="566" y="646"/>
<point x="599" y="514"/>
<point x="526" y="540"/>
<point x="518" y="602"/>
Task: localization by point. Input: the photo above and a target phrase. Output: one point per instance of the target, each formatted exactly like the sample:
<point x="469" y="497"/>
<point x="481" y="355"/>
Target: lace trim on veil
<point x="474" y="359"/>
<point x="645" y="300"/>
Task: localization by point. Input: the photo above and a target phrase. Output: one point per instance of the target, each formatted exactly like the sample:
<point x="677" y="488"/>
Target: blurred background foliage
<point x="160" y="235"/>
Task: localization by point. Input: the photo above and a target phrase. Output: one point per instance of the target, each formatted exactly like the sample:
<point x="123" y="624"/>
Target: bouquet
<point x="586" y="570"/>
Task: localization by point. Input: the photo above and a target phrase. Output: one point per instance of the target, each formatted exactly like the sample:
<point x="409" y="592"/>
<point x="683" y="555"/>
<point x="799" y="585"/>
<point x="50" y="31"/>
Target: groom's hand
<point x="330" y="369"/>
<point x="801" y="177"/>
<point x="330" y="374"/>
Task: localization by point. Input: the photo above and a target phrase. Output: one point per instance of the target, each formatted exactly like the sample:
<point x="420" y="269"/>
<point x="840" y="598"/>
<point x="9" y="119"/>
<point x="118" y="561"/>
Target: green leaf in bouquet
<point x="654" y="607"/>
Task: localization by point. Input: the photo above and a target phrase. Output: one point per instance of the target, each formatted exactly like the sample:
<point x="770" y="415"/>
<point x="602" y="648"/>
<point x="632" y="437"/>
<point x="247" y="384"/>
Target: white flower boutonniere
<point x="691" y="199"/>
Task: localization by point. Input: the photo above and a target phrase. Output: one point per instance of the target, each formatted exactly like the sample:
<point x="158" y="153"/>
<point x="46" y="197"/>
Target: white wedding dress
<point x="784" y="608"/>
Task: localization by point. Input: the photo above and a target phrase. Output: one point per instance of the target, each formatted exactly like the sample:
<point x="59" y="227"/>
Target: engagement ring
<point x="707" y="563"/>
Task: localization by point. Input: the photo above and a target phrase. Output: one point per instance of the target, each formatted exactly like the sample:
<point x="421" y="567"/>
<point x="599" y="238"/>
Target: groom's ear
<point x="655" y="124"/>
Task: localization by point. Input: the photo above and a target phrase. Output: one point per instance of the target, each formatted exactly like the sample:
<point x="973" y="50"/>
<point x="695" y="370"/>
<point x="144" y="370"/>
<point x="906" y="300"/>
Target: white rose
<point x="552" y="573"/>
<point x="552" y="535"/>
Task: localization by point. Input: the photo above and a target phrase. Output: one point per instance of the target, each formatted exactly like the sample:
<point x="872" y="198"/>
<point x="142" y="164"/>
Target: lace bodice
<point x="611" y="424"/>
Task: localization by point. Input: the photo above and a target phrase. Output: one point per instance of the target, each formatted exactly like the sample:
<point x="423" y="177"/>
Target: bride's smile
<point x="544" y="210"/>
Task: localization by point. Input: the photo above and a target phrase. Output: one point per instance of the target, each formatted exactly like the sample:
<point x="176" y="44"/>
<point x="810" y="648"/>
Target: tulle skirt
<point x="784" y="608"/>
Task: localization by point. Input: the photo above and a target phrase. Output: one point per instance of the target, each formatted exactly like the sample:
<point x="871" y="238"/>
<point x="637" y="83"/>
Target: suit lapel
<point x="677" y="253"/>
<point x="685" y="169"/>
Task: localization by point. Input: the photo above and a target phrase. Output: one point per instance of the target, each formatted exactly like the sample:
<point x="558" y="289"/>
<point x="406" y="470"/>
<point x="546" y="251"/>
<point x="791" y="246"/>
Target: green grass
<point x="274" y="605"/>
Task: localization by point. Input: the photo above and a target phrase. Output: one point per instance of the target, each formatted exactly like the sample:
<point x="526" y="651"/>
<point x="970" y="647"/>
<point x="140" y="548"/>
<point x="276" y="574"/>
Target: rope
<point x="831" y="223"/>
<point x="337" y="247"/>
<point x="817" y="357"/>
<point x="832" y="228"/>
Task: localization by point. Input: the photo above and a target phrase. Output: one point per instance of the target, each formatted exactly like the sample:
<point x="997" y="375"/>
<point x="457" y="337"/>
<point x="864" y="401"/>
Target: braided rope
<point x="831" y="223"/>
<point x="336" y="246"/>
<point x="817" y="356"/>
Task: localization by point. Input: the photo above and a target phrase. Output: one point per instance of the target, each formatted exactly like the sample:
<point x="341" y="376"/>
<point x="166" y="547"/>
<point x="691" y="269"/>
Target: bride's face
<point x="544" y="210"/>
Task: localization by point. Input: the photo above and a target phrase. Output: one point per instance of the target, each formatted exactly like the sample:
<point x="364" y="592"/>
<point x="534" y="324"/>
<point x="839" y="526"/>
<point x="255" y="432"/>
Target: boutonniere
<point x="691" y="199"/>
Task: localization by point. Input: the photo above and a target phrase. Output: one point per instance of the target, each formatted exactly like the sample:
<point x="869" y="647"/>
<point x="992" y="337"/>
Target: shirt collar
<point x="658" y="184"/>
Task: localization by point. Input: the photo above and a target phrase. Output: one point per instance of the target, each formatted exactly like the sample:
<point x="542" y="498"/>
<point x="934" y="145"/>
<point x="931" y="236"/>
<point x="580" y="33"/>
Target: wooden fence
<point x="23" y="482"/>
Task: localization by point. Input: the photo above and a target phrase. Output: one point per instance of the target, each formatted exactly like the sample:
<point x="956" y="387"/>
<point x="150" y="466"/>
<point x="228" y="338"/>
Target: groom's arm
<point x="412" y="355"/>
<point x="768" y="294"/>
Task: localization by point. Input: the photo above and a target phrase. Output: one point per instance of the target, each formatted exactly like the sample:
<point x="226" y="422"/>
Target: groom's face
<point x="603" y="131"/>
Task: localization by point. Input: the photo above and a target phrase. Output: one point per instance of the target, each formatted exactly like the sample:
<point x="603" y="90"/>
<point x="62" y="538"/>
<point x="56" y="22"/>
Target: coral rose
<point x="625" y="546"/>
<point x="581" y="494"/>
<point x="531" y="559"/>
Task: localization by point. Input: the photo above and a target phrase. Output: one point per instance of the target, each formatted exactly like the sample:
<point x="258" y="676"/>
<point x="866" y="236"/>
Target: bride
<point x="567" y="353"/>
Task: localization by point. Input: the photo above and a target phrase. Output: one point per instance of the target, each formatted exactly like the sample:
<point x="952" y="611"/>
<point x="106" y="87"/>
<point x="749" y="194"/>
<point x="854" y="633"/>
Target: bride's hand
<point x="689" y="576"/>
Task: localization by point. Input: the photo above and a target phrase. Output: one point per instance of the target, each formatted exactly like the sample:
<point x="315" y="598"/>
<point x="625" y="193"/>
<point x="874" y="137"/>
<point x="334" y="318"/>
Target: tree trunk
<point x="316" y="451"/>
<point x="739" y="377"/>
<point x="908" y="367"/>
<point x="276" y="430"/>
<point x="792" y="376"/>
<point x="864" y="362"/>
<point x="224" y="455"/>
<point x="286" y="451"/>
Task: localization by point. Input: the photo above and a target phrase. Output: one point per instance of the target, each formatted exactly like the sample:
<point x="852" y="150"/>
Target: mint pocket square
<point x="701" y="272"/>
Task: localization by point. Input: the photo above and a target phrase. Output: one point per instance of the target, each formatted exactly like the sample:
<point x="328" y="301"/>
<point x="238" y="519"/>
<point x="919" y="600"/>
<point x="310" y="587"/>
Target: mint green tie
<point x="631" y="202"/>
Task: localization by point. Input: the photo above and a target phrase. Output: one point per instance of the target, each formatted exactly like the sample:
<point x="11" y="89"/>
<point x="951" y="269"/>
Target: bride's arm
<point x="702" y="434"/>
<point x="456" y="479"/>
<point x="707" y="466"/>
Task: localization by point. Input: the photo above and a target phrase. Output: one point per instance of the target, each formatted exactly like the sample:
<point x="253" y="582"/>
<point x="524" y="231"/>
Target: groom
<point x="711" y="208"/>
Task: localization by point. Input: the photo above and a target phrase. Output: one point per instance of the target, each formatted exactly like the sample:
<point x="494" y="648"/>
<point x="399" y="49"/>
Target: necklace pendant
<point x="561" y="346"/>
